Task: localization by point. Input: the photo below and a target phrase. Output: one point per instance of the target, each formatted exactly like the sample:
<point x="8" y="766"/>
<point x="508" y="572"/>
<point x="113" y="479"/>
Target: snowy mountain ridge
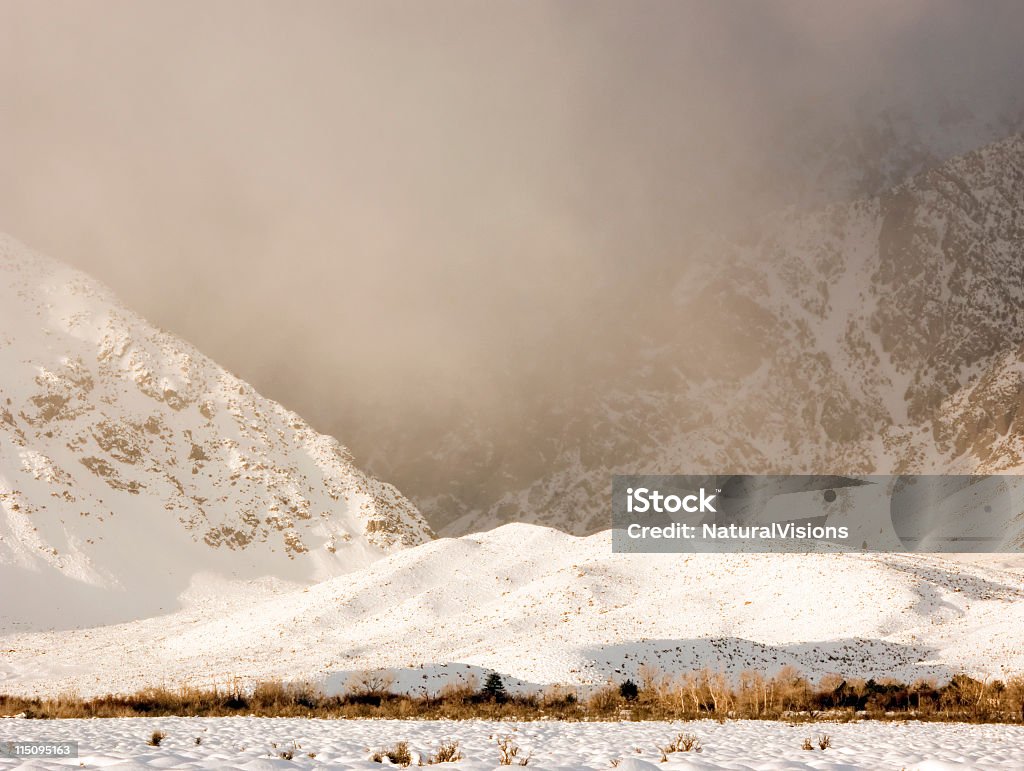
<point x="129" y="463"/>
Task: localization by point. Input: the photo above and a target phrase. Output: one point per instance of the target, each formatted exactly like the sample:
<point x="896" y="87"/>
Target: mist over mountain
<point x="442" y="231"/>
<point x="879" y="336"/>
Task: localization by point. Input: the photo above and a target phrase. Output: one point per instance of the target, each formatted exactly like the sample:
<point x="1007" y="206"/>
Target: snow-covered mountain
<point x="544" y="607"/>
<point x="156" y="500"/>
<point x="130" y="464"/>
<point x="878" y="336"/>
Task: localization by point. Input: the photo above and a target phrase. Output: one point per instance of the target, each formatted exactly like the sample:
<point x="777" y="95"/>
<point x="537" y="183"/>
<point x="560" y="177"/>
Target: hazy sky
<point x="415" y="206"/>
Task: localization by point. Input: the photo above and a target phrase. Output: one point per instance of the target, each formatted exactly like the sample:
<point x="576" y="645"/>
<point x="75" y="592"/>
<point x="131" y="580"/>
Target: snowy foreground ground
<point x="256" y="743"/>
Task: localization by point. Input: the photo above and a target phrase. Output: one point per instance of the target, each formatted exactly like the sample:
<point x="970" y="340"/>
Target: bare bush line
<point x="787" y="695"/>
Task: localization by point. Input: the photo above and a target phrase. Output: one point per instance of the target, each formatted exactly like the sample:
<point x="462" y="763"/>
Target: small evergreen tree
<point x="494" y="688"/>
<point x="629" y="691"/>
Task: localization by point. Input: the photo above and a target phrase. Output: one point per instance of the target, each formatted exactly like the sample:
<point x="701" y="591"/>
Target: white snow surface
<point x="257" y="743"/>
<point x="543" y="607"/>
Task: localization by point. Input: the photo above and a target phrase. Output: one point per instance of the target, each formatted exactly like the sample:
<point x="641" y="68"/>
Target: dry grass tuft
<point x="399" y="755"/>
<point x="508" y="752"/>
<point x="683" y="743"/>
<point x="447" y="752"/>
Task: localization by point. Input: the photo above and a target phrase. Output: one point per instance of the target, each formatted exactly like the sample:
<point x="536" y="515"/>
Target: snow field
<point x="256" y="743"/>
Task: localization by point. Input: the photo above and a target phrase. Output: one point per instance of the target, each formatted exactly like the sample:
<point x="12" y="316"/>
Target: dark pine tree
<point x="494" y="688"/>
<point x="629" y="691"/>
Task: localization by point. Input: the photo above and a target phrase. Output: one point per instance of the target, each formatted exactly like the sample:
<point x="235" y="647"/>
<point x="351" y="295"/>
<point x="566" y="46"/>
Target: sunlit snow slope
<point x="541" y="607"/>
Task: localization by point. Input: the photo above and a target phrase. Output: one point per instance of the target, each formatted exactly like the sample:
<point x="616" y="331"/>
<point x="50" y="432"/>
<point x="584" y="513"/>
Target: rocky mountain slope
<point x="878" y="336"/>
<point x="130" y="464"/>
<point x="544" y="607"/>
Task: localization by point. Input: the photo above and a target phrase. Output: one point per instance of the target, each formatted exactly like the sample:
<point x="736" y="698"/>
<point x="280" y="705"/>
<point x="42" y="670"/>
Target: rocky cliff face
<point x="129" y="462"/>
